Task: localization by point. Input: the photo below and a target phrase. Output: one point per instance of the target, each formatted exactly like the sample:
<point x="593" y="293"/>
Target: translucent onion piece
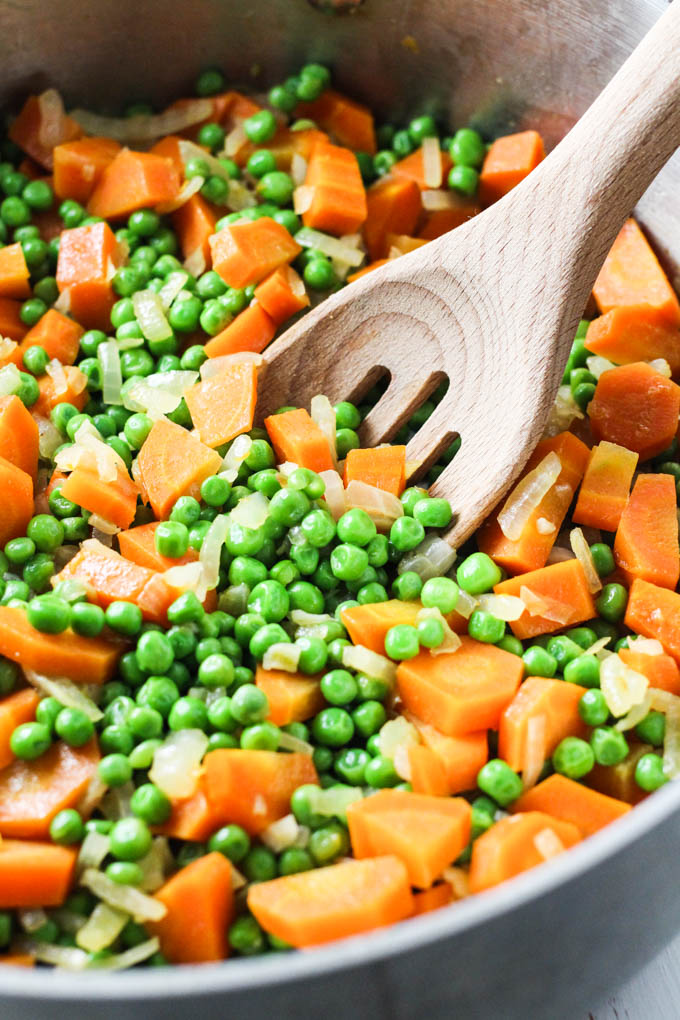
<point x="236" y="454"/>
<point x="174" y="283"/>
<point x="175" y="769"/>
<point x="290" y="743"/>
<point x="7" y="347"/>
<point x="636" y="714"/>
<point x="150" y="315"/>
<point x="195" y="262"/>
<point x="91" y="798"/>
<point x="382" y="507"/>
<point x="334" y="247"/>
<point x="396" y="733"/>
<point x="298" y="168"/>
<point x="10" y="380"/>
<point x="585" y="557"/>
<point x="63" y="302"/>
<point x="671" y="743"/>
<point x="503" y="607"/>
<point x="187" y="577"/>
<point x="334" y="801"/>
<point x="145" y="127"/>
<point x="321" y="411"/>
<point x="129" y="958"/>
<point x="123" y="897"/>
<point x="534" y="750"/>
<point x="67" y="920"/>
<point x="334" y="493"/>
<point x="286" y="469"/>
<point x="458" y="880"/>
<point x="50" y="120"/>
<point x="622" y="686"/>
<point x="116" y="803"/>
<point x="238" y="881"/>
<point x="544" y="526"/>
<point x="211" y="548"/>
<point x="599" y="648"/>
<point x="252" y="511"/>
<point x="527" y="496"/>
<point x="434" y="557"/>
<point x="563" y="412"/>
<point x="303" y="619"/>
<point x="559" y="555"/>
<point x="451" y="642"/>
<point x="63" y="957"/>
<point x="466" y="604"/>
<point x="402" y="762"/>
<point x="281" y="834"/>
<point x="32" y="918"/>
<point x="661" y="366"/>
<point x="303" y="196"/>
<point x="104" y="527"/>
<point x="436" y="199"/>
<point x="216" y="366"/>
<point x="548" y="844"/>
<point x="235" y="140"/>
<point x="645" y="645"/>
<point x="56" y="372"/>
<point x="94" y="547"/>
<point x="93" y="850"/>
<point x="141" y="397"/>
<point x="187" y="191"/>
<point x="155" y="865"/>
<point x="239" y="196"/>
<point x="282" y="655"/>
<point x="597" y="365"/>
<point x="663" y="701"/>
<point x="545" y="606"/>
<point x="103" y="927"/>
<point x="432" y="163"/>
<point x="72" y="589"/>
<point x="49" y="437"/>
<point x="363" y="660"/>
<point x="65" y="691"/>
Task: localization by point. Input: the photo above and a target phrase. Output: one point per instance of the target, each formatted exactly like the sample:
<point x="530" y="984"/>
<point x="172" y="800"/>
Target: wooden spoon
<point x="492" y="306"/>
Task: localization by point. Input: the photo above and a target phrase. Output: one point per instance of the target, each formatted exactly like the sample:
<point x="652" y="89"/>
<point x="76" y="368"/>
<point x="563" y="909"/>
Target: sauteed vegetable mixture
<point x="250" y="698"/>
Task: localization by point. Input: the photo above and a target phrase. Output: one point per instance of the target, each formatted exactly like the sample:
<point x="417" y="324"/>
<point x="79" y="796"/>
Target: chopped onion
<point x="93" y="850"/>
<point x="174" y="283"/>
<point x="290" y="743"/>
<point x="116" y="803"/>
<point x="129" y="958"/>
<point x="145" y="127"/>
<point x="622" y="686"/>
<point x="239" y="196"/>
<point x="466" y="604"/>
<point x="151" y="316"/>
<point x="434" y="557"/>
<point x="161" y="392"/>
<point x="548" y="844"/>
<point x="185" y="577"/>
<point x="663" y="701"/>
<point x="64" y="957"/>
<point x="155" y="865"/>
<point x="671" y="743"/>
<point x="636" y="714"/>
<point x="598" y="648"/>
<point x="282" y="655"/>
<point x="175" y="769"/>
<point x="503" y="607"/>
<point x="67" y="920"/>
<point x="527" y="496"/>
<point x="56" y="372"/>
<point x="661" y="366"/>
<point x="7" y="347"/>
<point x="597" y="365"/>
<point x="65" y="691"/>
<point x="546" y="607"/>
<point x="544" y="526"/>
<point x="10" y="380"/>
<point x="451" y="642"/>
<point x="211" y="549"/>
<point x="382" y="507"/>
<point x="303" y="196"/>
<point x="63" y="302"/>
<point x="534" y="750"/>
<point x="281" y="834"/>
<point x="459" y="881"/>
<point x="321" y="411"/>
<point x="235" y="140"/>
<point x="104" y="527"/>
<point x="236" y="454"/>
<point x="563" y="412"/>
<point x="334" y="801"/>
<point x="645" y="645"/>
<point x="32" y="918"/>
<point x="303" y="619"/>
<point x="287" y="468"/>
<point x="363" y="660"/>
<point x="195" y="262"/>
<point x="585" y="557"/>
<point x="331" y="246"/>
<point x="190" y="187"/>
<point x="124" y="897"/>
<point x="432" y="162"/>
<point x="334" y="493"/>
<point x="94" y="792"/>
<point x="50" y="123"/>
<point x="251" y="511"/>
<point x="102" y="927"/>
<point x="396" y="733"/>
<point x="49" y="437"/>
<point x="435" y="199"/>
<point x="298" y="168"/>
<point x="216" y="366"/>
<point x="238" y="881"/>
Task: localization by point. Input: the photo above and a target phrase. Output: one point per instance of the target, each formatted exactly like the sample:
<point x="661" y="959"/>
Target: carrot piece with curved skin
<point x="334" y="902"/>
<point x="350" y="123"/>
<point x="223" y="406"/>
<point x="81" y="659"/>
<point x="461" y="756"/>
<point x="440" y="221"/>
<point x="572" y="802"/>
<point x="636" y="407"/>
<point x="428" y="774"/>
<point x="646" y="543"/>
<point x="251" y="330"/>
<point x="635" y="333"/>
<point x="461" y="692"/>
<point x="531" y="550"/>
<point x="368" y="624"/>
<point x="78" y="166"/>
<point x="75" y="392"/>
<point x="131" y="181"/>
<point x="564" y="583"/>
<point x="434" y="898"/>
<point x="191" y="818"/>
<point x="293" y="697"/>
<point x="413" y="168"/>
<point x="605" y="487"/>
<point x="88" y="256"/>
<point x="14" y="273"/>
<point x="282" y="294"/>
<point x="115" y="501"/>
<point x="139" y="546"/>
<point x="427" y="833"/>
<point x="43" y="117"/>
<point x="393" y="206"/>
<point x="15" y="709"/>
<point x="661" y="670"/>
<point x="509" y="160"/>
<point x="16" y="506"/>
<point x="508" y="847"/>
<point x="35" y="874"/>
<point x="296" y="437"/>
<point x="57" y="334"/>
<point x="554" y="700"/>
<point x="18" y="435"/>
<point x="173" y="463"/>
<point x="200" y="905"/>
<point x="253" y="788"/>
<point x="384" y="467"/>
<point x="11" y="325"/>
<point x="32" y="792"/>
<point x="194" y="222"/>
<point x="248" y="250"/>
<point x="654" y="612"/>
<point x="631" y="274"/>
<point x="338" y="203"/>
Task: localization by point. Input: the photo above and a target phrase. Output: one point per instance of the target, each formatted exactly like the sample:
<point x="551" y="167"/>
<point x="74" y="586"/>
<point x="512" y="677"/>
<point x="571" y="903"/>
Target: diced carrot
<point x="75" y="392"/>
<point x="88" y="256"/>
<point x="16" y="506"/>
<point x="393" y="206"/>
<point x="462" y="756"/>
<point x="174" y="463"/>
<point x="285" y="145"/>
<point x="350" y="123"/>
<point x="253" y="788"/>
<point x="509" y="847"/>
<point x="432" y="899"/>
<point x="296" y="437"/>
<point x="605" y="487"/>
<point x="636" y="407"/>
<point x="335" y="902"/>
<point x="368" y="624"/>
<point x="631" y="275"/>
<point x="35" y="874"/>
<point x="572" y="802"/>
<point x="15" y="709"/>
<point x="194" y="222"/>
<point x="553" y="701"/>
<point x="169" y="148"/>
<point x="428" y="774"/>
<point x="440" y="221"/>
<point x="654" y="612"/>
<point x="384" y="467"/>
<point x="531" y="550"/>
<point x="646" y="543"/>
<point x="133" y="180"/>
<point x="14" y="273"/>
<point x="565" y="585"/>
<point x="248" y="250"/>
<point x="635" y="333"/>
<point x="292" y="697"/>
<point x="115" y="501"/>
<point x="18" y="435"/>
<point x="366" y="269"/>
<point x="57" y="334"/>
<point x="79" y="165"/>
<point x="509" y="160"/>
<point x="223" y="406"/>
<point x="282" y="294"/>
<point x="43" y="117"/>
<point x="251" y="330"/>
<point x="412" y="167"/>
<point x="11" y="325"/>
<point x="461" y="692"/>
<point x="661" y="670"/>
<point x="139" y="546"/>
<point x="338" y="203"/>
<point x="191" y="818"/>
<point x="17" y="960"/>
<point x="32" y="792"/>
<point x="618" y="781"/>
<point x="200" y="906"/>
<point x="81" y="659"/>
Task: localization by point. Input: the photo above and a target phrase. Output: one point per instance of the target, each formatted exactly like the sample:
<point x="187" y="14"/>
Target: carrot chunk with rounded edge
<point x="555" y="701"/>
<point x="169" y="148"/>
<point x="139" y="546"/>
<point x="16" y="506"/>
<point x="428" y="774"/>
<point x="462" y="756"/>
<point x="191" y="818"/>
<point x="413" y="168"/>
<point x="636" y="407"/>
<point x="14" y="273"/>
<point x="293" y="697"/>
<point x="57" y="334"/>
<point x="251" y="330"/>
<point x="133" y="180"/>
<point x="18" y="435"/>
<point x="88" y="256"/>
<point x="565" y="585"/>
<point x="282" y="294"/>
<point x="15" y="709"/>
<point x="248" y="250"/>
<point x="11" y="325"/>
<point x="631" y="274"/>
<point x="223" y="406"/>
<point x="635" y="333"/>
<point x="654" y="612"/>
<point x="81" y="659"/>
<point x="661" y="670"/>
<point x="332" y="903"/>
<point x="605" y="487"/>
<point x="173" y="463"/>
<point x="32" y="792"/>
<point x="114" y="501"/>
<point x="461" y="692"/>
<point x="42" y="117"/>
<point x="368" y="624"/>
<point x="508" y="848"/>
<point x="35" y="874"/>
<point x="384" y="467"/>
<point x="194" y="222"/>
<point x="75" y="392"/>
<point x="350" y="123"/>
<point x="426" y="833"/>
<point x="338" y="203"/>
<point x="200" y="907"/>
<point x="531" y="550"/>
<point x="79" y="165"/>
<point x="432" y="899"/>
<point x="440" y="221"/>
<point x="646" y="543"/>
<point x="296" y="437"/>
<point x="509" y="160"/>
<point x="572" y="802"/>
<point x="393" y="206"/>
<point x="253" y="788"/>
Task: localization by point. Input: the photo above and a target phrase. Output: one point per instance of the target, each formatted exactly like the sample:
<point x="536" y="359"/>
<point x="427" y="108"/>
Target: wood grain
<point x="493" y="306"/>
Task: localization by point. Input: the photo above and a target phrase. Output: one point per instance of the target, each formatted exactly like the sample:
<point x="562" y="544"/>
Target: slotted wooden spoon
<point x="493" y="305"/>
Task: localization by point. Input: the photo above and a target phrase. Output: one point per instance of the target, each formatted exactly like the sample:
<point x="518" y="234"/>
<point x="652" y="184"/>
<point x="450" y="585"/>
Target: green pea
<point x="611" y="603"/>
<point x="478" y="573"/>
<point x="149" y="803"/>
<point x="67" y="828"/>
<point x="593" y="708"/>
<point x="327" y="843"/>
<point x="124" y="873"/>
<point x="74" y="727"/>
<point x="484" y="626"/>
<point x="585" y="671"/>
<point x="339" y="687"/>
<point x="584" y="637"/>
<point x="188" y="713"/>
<point x="124" y="617"/>
<point x="259" y="864"/>
<point x="408" y="586"/>
<point x="313" y="655"/>
<point x="154" y="652"/>
<point x="539" y="662"/>
<point x="369" y="717"/>
<point x="245" y="935"/>
<point x="401" y="642"/>
<point x="30" y="740"/>
<point x="380" y="773"/>
<point x="114" y="769"/>
<point x="231" y="841"/>
<point x="652" y="729"/>
<point x="406" y="533"/>
<point x="433" y="513"/>
<point x="564" y="650"/>
<point x="499" y="781"/>
<point x="649" y="774"/>
<point x="49" y="614"/>
<point x="333" y="727"/>
<point x="87" y="619"/>
<point x="130" y="839"/>
<point x="467" y="148"/>
<point x="609" y="745"/>
<point x="141" y="757"/>
<point x="260" y="127"/>
<point x="603" y="559"/>
<point x="573" y="758"/>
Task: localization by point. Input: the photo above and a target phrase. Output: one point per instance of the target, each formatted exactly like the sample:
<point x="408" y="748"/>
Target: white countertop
<point x="653" y="995"/>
